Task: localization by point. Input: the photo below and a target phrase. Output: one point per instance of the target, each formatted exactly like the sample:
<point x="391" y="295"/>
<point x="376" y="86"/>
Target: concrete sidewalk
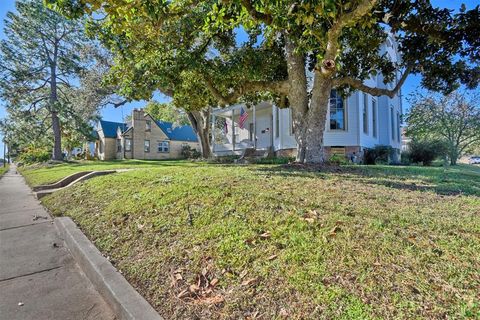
<point x="39" y="279"/>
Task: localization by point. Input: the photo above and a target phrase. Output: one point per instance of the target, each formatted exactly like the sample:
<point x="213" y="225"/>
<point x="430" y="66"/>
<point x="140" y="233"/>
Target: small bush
<point x="275" y="160"/>
<point x="337" y="160"/>
<point x="405" y="158"/>
<point x="225" y="159"/>
<point x="425" y="151"/>
<point x="377" y="155"/>
<point x="190" y="153"/>
<point x="34" y="155"/>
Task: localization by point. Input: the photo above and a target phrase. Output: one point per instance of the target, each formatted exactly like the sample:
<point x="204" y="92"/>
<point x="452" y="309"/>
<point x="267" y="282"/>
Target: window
<point x="392" y="123"/>
<point x="128" y="144"/>
<point x="146" y="145"/>
<point x="100" y="147"/>
<point x="337" y="112"/>
<point x="251" y="134"/>
<point x="365" y="113"/>
<point x="163" y="146"/>
<point x="148" y="125"/>
<point x="277" y="122"/>
<point x="119" y="145"/>
<point x="374" y="118"/>
<point x="398" y="126"/>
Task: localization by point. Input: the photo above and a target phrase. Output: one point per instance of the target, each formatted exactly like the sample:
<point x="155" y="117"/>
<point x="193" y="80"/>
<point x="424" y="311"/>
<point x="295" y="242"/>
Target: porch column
<point x="255" y="127"/>
<point x="214" y="119"/>
<point x="233" y="130"/>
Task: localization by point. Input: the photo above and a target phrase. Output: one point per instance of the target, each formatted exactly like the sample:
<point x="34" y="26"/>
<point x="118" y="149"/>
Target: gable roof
<point x="180" y="133"/>
<point x="110" y="128"/>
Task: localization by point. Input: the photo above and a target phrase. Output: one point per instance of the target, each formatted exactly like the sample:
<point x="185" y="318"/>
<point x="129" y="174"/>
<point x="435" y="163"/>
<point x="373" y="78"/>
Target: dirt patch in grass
<point x="266" y="242"/>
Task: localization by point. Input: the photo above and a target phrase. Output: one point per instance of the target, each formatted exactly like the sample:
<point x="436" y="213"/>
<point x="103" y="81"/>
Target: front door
<point x="264" y="131"/>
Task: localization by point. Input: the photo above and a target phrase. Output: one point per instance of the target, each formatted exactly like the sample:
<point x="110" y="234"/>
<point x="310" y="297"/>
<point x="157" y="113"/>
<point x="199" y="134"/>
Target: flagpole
<point x="255" y="127"/>
<point x="214" y="119"/>
<point x="233" y="130"/>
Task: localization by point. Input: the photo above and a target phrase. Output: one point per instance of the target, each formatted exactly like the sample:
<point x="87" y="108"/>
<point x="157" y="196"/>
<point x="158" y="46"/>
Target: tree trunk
<point x="315" y="124"/>
<point x="297" y="95"/>
<point x="309" y="113"/>
<point x="453" y="158"/>
<point x="200" y="123"/>
<point x="57" y="136"/>
<point x="57" y="132"/>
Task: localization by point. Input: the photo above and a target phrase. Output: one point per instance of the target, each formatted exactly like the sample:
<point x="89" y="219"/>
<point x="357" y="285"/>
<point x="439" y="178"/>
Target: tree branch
<point x="359" y="85"/>
<point x="118" y="104"/>
<point x="279" y="87"/>
<point x="343" y="21"/>
<point x="259" y="16"/>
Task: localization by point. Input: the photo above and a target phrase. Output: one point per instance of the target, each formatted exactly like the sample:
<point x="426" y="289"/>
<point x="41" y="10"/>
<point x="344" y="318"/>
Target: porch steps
<point x="252" y="153"/>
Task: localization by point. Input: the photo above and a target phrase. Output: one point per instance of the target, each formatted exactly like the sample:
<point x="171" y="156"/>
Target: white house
<point x="353" y="124"/>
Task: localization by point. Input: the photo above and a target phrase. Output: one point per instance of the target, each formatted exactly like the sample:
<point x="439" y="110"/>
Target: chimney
<point x="137" y="115"/>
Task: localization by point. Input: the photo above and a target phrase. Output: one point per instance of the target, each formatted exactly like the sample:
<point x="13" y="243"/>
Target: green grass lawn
<point x="3" y="169"/>
<point x="45" y="174"/>
<point x="234" y="242"/>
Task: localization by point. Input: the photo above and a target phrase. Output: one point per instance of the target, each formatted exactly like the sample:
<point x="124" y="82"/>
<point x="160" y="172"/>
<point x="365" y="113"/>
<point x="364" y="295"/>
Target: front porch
<point x="229" y="138"/>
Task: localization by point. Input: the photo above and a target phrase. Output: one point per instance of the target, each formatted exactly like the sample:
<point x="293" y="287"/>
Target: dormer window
<point x="148" y="125"/>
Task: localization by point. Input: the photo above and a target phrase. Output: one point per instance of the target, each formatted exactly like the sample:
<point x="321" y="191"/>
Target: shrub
<point x="378" y="154"/>
<point x="425" y="151"/>
<point x="274" y="160"/>
<point x="336" y="159"/>
<point x="34" y="155"/>
<point x="190" y="153"/>
<point x="405" y="158"/>
<point x="225" y="159"/>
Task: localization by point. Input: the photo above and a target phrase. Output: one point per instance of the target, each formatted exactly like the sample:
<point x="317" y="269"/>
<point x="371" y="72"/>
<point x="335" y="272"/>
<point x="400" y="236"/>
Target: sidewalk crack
<point x="31" y="273"/>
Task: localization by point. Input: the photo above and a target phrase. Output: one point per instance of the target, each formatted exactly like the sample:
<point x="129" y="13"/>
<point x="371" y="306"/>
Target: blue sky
<point x="110" y="113"/>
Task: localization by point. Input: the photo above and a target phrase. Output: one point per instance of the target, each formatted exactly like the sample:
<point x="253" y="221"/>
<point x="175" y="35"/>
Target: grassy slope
<point x="376" y="242"/>
<point x="50" y="173"/>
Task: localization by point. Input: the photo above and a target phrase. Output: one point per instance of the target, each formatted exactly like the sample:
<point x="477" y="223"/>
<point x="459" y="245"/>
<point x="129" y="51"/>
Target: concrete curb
<point x="62" y="183"/>
<point x="92" y="174"/>
<point x="126" y="302"/>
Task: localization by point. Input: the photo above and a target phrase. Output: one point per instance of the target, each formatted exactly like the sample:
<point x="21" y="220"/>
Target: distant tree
<point x="167" y="112"/>
<point x="454" y="118"/>
<point x="38" y="58"/>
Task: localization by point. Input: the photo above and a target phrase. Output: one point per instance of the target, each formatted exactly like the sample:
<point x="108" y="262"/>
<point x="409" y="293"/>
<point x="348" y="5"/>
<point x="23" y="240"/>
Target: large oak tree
<point x="336" y="42"/>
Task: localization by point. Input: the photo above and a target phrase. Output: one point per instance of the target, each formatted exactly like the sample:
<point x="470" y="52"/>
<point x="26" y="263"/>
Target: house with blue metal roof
<point x="143" y="138"/>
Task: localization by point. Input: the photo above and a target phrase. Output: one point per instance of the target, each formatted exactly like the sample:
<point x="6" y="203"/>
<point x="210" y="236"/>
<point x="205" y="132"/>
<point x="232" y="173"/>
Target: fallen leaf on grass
<point x="283" y="313"/>
<point x="214" y="282"/>
<point x="249" y="282"/>
<point x="243" y="274"/>
<point x="211" y="300"/>
<point x="272" y="257"/>
<point x="178" y="277"/>
<point x="335" y="230"/>
<point x="265" y="235"/>
<point x="183" y="294"/>
<point x="309" y="220"/>
<point x="194" y="288"/>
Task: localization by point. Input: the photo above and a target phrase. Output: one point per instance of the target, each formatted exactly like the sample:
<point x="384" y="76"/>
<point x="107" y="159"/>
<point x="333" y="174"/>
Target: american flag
<point x="243" y="117"/>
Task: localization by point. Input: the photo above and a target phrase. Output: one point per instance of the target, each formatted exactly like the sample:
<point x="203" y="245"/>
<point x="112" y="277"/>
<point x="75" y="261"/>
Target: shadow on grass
<point x="459" y="180"/>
